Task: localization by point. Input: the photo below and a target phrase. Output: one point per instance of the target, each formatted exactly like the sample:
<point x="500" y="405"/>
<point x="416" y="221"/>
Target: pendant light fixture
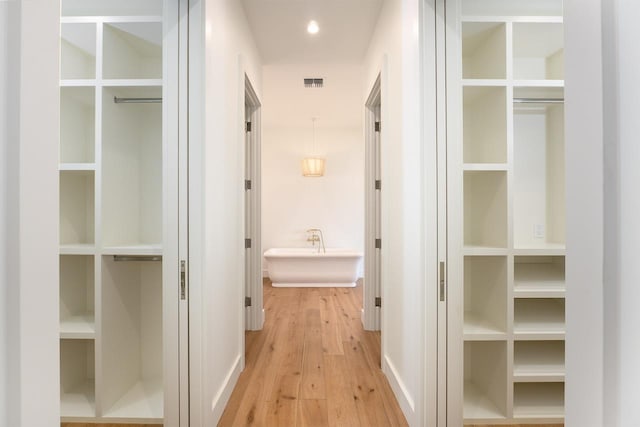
<point x="313" y="166"/>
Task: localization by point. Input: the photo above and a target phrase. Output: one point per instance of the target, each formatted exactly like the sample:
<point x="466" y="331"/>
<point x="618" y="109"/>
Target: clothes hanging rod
<point x="538" y="100"/>
<point x="122" y="258"/>
<point x="136" y="100"/>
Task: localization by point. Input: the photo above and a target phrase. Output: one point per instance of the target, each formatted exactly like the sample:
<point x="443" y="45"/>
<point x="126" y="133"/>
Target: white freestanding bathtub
<point x="305" y="267"/>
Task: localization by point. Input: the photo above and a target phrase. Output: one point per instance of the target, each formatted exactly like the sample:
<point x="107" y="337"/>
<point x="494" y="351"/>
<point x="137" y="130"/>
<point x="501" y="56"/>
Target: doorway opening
<point x="254" y="314"/>
<point x="373" y="209"/>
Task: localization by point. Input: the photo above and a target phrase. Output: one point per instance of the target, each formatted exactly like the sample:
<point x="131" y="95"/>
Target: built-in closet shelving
<point x="513" y="183"/>
<point x="111" y="212"/>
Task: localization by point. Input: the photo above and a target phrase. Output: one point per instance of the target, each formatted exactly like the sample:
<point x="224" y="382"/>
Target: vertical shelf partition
<point x="111" y="204"/>
<point x="513" y="184"/>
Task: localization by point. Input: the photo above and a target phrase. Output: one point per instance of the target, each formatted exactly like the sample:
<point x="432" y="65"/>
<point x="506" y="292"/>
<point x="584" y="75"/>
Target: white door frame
<point x="254" y="314"/>
<point x="372" y="202"/>
<point x="175" y="210"/>
<point x="435" y="201"/>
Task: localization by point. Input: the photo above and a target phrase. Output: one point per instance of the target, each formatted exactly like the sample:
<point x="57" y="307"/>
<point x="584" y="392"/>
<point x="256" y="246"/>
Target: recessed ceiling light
<point x="313" y="28"/>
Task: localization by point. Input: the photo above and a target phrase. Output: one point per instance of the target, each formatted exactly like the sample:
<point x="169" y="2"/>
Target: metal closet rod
<point x="137" y="100"/>
<point x="538" y="100"/>
<point x="137" y="258"/>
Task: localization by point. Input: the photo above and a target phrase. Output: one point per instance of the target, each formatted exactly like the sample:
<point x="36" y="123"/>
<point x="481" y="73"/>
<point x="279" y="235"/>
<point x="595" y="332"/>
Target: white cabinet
<point x="111" y="212"/>
<point x="511" y="86"/>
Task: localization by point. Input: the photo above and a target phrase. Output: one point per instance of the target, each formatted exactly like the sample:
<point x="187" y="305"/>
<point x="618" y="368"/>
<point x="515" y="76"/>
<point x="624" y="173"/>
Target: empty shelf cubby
<point x="485" y="124"/>
<point x="133" y="50"/>
<point x="538" y="52"/>
<point x="484" y="50"/>
<point x="77" y="125"/>
<point x="485" y="297"/>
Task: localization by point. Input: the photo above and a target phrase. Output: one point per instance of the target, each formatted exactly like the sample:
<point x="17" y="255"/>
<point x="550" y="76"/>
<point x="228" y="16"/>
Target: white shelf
<point x="538" y="361"/>
<point x="539" y="319"/>
<point x="134" y="83"/>
<point x="485" y="82"/>
<point x="477" y="328"/>
<point x="536" y="9"/>
<point x="485" y="167"/>
<point x="71" y="8"/>
<point x="77" y="249"/>
<point x="538" y="400"/>
<point x="537" y="83"/>
<point x="77" y="167"/>
<point x="549" y="249"/>
<point x="78" y="83"/>
<point x="151" y="250"/>
<point x="78" y="402"/>
<point x="142" y="403"/>
<point x="477" y="250"/>
<point x="478" y="408"/>
<point x="78" y="327"/>
<point x="539" y="279"/>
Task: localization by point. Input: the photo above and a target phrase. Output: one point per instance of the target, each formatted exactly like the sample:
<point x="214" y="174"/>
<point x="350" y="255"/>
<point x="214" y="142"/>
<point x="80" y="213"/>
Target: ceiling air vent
<point x="313" y="82"/>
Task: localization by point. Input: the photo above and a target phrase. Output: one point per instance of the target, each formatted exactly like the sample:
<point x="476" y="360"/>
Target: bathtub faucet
<point x="314" y="237"/>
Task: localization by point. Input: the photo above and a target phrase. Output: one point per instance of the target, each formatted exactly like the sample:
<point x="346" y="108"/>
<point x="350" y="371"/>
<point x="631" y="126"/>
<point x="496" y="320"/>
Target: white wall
<point x="292" y="203"/>
<point x="584" y="224"/>
<point x="622" y="213"/>
<point x="396" y="38"/>
<point x="5" y="322"/>
<point x="28" y="187"/>
<point x="217" y="245"/>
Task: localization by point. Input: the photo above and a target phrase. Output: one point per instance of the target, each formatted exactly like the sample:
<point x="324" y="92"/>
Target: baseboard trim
<point x="399" y="389"/>
<point x="221" y="399"/>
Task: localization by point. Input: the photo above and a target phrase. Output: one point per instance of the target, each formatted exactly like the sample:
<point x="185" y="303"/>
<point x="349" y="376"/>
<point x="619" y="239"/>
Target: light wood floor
<point x="312" y="365"/>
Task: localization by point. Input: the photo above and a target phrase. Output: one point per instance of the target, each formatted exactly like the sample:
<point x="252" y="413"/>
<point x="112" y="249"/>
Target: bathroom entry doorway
<point x="254" y="313"/>
<point x="372" y="300"/>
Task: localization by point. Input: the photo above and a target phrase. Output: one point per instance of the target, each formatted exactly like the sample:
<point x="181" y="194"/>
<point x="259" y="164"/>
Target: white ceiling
<point x="280" y="29"/>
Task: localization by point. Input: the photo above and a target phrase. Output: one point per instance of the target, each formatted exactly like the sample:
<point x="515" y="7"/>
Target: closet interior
<point x="514" y="197"/>
<point x="111" y="211"/>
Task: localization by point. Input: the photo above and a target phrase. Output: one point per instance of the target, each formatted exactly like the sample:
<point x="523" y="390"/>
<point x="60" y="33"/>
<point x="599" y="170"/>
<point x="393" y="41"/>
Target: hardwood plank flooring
<point x="312" y="365"/>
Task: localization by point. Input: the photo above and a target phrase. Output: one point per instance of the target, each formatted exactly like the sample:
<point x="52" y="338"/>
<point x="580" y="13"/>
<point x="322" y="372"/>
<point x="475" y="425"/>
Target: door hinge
<point x="378" y="302"/>
<point x="442" y="281"/>
<point x="247" y="243"/>
<point x="377" y="127"/>
<point x="247" y="301"/>
<point x="183" y="280"/>
<point x="378" y="184"/>
<point x="378" y="243"/>
<point x="247" y="184"/>
<point x="248" y="128"/>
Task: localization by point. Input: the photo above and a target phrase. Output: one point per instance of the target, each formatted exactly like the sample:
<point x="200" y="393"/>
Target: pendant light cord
<point x="313" y="146"/>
